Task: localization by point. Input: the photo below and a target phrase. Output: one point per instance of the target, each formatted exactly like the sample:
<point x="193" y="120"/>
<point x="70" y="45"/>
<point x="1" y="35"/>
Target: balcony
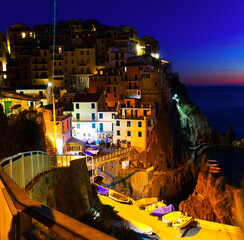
<point x="62" y="117"/>
<point x="130" y="117"/>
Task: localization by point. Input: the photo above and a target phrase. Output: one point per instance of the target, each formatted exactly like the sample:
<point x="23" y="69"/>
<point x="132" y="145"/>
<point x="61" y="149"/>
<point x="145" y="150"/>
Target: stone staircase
<point x="51" y="151"/>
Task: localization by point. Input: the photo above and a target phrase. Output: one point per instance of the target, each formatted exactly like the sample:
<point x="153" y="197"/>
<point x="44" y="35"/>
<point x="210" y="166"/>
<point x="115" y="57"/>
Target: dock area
<point x="202" y="230"/>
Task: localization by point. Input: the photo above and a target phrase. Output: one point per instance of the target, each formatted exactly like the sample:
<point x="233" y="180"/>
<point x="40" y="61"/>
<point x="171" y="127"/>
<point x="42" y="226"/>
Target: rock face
<point x="67" y="190"/>
<point x="20" y="133"/>
<point x="212" y="199"/>
<point x="168" y="186"/>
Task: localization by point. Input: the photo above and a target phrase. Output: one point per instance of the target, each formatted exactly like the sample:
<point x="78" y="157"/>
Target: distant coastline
<point x="215" y="85"/>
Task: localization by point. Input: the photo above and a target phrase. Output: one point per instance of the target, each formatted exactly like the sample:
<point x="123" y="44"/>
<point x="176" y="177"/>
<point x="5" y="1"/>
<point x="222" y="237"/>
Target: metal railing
<point x="24" y="167"/>
<point x="18" y="210"/>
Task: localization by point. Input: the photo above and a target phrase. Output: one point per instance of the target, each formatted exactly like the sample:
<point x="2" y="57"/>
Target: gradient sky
<point x="203" y="38"/>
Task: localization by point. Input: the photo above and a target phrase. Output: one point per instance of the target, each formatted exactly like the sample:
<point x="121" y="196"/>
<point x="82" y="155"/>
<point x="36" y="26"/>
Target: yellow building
<point x="133" y="126"/>
<point x="14" y="102"/>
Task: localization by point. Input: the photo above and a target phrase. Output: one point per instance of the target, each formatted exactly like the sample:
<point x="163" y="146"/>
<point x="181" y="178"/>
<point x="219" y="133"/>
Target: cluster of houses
<point x="106" y="82"/>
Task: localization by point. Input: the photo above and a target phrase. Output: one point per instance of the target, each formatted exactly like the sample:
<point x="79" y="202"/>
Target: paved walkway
<point x="204" y="229"/>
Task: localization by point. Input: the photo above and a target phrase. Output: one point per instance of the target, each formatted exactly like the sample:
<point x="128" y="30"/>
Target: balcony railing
<point x="62" y="117"/>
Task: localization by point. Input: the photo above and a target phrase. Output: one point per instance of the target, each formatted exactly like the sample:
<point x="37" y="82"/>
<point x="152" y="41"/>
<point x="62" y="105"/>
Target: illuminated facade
<point x="63" y="125"/>
<point x="133" y="126"/>
<point x="85" y="115"/>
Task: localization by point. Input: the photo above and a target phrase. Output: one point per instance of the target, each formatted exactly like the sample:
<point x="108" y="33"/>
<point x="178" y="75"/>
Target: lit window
<point x="139" y="134"/>
<point x="31" y="34"/>
<point x="118" y="132"/>
<point x="4" y="76"/>
<point x="23" y="34"/>
<point x="78" y="125"/>
<point x="125" y="69"/>
<point x="128" y="133"/>
<point x="60" y="50"/>
<point x="139" y="124"/>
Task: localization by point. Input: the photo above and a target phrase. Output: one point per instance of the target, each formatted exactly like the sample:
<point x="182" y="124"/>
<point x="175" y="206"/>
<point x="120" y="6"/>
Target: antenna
<point x="52" y="93"/>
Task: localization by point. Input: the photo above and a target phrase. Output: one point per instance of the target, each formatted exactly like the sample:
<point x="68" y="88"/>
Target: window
<point x="117" y="123"/>
<point x="101" y="115"/>
<point x="93" y="125"/>
<point x="118" y="132"/>
<point x="115" y="95"/>
<point x="128" y="123"/>
<point x="139" y="124"/>
<point x="93" y="105"/>
<point x="88" y="52"/>
<point x="128" y="133"/>
<point x="156" y="84"/>
<point x="113" y="114"/>
<point x="77" y="105"/>
<point x="139" y="134"/>
<point x="78" y="125"/>
<point x="145" y="112"/>
<point x="77" y="116"/>
<point x="135" y="76"/>
<point x="101" y="127"/>
<point x="126" y="77"/>
<point x="93" y="116"/>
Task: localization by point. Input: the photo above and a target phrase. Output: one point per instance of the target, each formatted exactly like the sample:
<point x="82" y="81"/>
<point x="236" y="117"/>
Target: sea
<point x="223" y="105"/>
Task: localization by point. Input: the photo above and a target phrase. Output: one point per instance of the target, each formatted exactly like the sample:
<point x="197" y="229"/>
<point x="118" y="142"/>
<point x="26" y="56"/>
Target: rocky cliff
<point x="20" y="133"/>
<point x="211" y="200"/>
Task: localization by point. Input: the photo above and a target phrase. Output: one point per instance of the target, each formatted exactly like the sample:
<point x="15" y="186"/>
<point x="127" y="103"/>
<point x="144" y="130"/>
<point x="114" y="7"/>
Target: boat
<point x="119" y="197"/>
<point x="146" y="201"/>
<point x="159" y="212"/>
<point x="212" y="161"/>
<point x="101" y="190"/>
<point x="171" y="217"/>
<point x="138" y="227"/>
<point x="181" y="222"/>
<point x="156" y="205"/>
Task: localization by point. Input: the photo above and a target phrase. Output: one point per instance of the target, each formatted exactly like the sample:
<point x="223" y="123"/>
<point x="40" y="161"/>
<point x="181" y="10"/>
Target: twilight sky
<point x="203" y="38"/>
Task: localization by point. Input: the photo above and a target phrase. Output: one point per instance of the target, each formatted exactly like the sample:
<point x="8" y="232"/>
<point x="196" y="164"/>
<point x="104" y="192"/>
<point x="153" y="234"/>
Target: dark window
<point x="128" y="123"/>
<point x="93" y="116"/>
<point x="128" y="133"/>
<point x="77" y="116"/>
<point x="139" y="124"/>
<point x="117" y="123"/>
<point x="93" y="105"/>
<point x="118" y="132"/>
<point x="139" y="134"/>
<point x="101" y="115"/>
<point x="93" y="125"/>
<point x="77" y="105"/>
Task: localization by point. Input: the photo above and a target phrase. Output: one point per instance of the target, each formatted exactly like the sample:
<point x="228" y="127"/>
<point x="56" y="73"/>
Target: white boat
<point x="182" y="222"/>
<point x="139" y="227"/>
<point x="171" y="217"/>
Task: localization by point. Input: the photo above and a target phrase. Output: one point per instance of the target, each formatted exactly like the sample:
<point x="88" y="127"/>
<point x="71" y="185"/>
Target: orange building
<point x="63" y="125"/>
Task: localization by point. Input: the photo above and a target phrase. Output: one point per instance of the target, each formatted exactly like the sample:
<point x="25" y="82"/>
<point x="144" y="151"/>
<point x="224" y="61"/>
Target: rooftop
<point x="87" y="97"/>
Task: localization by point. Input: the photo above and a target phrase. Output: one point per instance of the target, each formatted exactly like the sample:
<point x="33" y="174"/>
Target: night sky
<point x="203" y="38"/>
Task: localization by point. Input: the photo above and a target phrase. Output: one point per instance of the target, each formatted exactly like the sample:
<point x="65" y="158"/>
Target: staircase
<point x="51" y="151"/>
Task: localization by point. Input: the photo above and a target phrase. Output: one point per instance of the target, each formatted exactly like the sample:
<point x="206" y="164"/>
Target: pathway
<point x="204" y="230"/>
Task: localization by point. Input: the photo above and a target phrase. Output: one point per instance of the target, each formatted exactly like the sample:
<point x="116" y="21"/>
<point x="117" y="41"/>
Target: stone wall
<point x="67" y="190"/>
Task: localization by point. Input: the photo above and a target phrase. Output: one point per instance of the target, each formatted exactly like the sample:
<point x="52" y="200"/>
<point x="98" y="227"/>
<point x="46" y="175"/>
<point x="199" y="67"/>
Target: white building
<point x="85" y="115"/>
